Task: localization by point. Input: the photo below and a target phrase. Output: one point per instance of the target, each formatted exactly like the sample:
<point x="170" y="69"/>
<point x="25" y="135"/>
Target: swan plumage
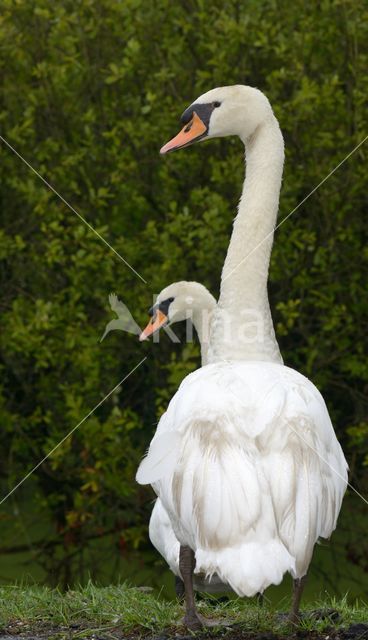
<point x="163" y="537"/>
<point x="246" y="489"/>
<point x="257" y="475"/>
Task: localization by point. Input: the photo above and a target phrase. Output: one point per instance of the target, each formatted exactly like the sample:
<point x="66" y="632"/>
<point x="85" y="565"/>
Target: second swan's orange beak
<point x="190" y="133"/>
<point x="157" y="321"/>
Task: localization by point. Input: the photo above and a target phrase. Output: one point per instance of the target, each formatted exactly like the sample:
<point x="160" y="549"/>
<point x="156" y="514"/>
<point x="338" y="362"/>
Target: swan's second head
<point x="179" y="301"/>
<point x="225" y="111"/>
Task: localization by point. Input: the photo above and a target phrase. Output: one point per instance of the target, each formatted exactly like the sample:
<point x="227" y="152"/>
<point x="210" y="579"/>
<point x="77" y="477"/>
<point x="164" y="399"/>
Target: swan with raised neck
<point x="242" y="327"/>
<point x="245" y="460"/>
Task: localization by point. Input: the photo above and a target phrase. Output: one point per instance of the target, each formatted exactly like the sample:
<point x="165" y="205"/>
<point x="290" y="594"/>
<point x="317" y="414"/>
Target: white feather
<point x="250" y="490"/>
<point x="161" y="458"/>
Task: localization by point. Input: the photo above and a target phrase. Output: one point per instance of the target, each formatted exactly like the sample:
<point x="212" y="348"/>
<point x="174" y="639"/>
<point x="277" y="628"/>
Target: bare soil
<point x="358" y="631"/>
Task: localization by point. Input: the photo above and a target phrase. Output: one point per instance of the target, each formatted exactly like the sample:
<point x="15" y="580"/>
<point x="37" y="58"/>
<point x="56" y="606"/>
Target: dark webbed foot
<point x="193" y="620"/>
<point x="294" y="618"/>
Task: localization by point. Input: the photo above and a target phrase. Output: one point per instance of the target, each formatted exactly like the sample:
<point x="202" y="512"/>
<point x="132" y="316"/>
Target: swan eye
<point x="161" y="306"/>
<point x="166" y="303"/>
<point x="216" y="104"/>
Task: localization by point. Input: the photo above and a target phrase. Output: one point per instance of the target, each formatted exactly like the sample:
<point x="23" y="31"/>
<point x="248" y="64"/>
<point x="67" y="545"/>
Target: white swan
<point x="177" y="302"/>
<point x="245" y="460"/>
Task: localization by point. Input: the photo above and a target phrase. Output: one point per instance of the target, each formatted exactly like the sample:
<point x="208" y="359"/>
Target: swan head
<point x="178" y="301"/>
<point x="226" y="111"/>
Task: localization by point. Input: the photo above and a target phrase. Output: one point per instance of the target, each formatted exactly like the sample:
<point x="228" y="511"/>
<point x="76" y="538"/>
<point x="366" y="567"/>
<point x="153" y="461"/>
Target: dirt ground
<point x="357" y="631"/>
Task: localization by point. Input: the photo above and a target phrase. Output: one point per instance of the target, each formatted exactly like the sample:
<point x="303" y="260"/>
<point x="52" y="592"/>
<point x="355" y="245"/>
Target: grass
<point x="121" y="611"/>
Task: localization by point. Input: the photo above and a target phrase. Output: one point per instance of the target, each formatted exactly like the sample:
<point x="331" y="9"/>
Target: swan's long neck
<point x="202" y="321"/>
<point x="201" y="315"/>
<point x="242" y="327"/>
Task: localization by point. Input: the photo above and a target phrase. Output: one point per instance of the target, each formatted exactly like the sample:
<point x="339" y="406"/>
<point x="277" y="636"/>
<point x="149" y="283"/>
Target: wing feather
<point x="161" y="458"/>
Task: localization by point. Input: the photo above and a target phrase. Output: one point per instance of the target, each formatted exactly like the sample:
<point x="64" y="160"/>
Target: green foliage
<point x="90" y="91"/>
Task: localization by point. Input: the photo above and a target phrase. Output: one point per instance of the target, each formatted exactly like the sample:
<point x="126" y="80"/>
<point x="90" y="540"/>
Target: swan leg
<point x="186" y="566"/>
<point x="298" y="586"/>
<point x="179" y="588"/>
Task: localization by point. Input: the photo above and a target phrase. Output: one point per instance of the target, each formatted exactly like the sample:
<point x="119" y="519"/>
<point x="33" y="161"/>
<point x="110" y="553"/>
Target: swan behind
<point x="178" y="302"/>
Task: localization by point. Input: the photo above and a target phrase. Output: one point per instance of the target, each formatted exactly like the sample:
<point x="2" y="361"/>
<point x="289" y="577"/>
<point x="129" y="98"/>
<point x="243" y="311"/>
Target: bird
<point x="125" y="320"/>
<point x="245" y="459"/>
<point x="175" y="303"/>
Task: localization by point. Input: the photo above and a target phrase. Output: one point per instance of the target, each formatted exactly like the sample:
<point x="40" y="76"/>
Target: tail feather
<point x="249" y="568"/>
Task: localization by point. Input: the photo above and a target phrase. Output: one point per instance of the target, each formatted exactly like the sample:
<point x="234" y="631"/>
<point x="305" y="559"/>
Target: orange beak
<point x="192" y="131"/>
<point x="154" y="324"/>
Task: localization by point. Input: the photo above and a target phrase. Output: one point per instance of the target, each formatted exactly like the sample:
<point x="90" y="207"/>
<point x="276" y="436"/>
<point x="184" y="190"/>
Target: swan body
<point x="256" y="473"/>
<point x="246" y="489"/>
